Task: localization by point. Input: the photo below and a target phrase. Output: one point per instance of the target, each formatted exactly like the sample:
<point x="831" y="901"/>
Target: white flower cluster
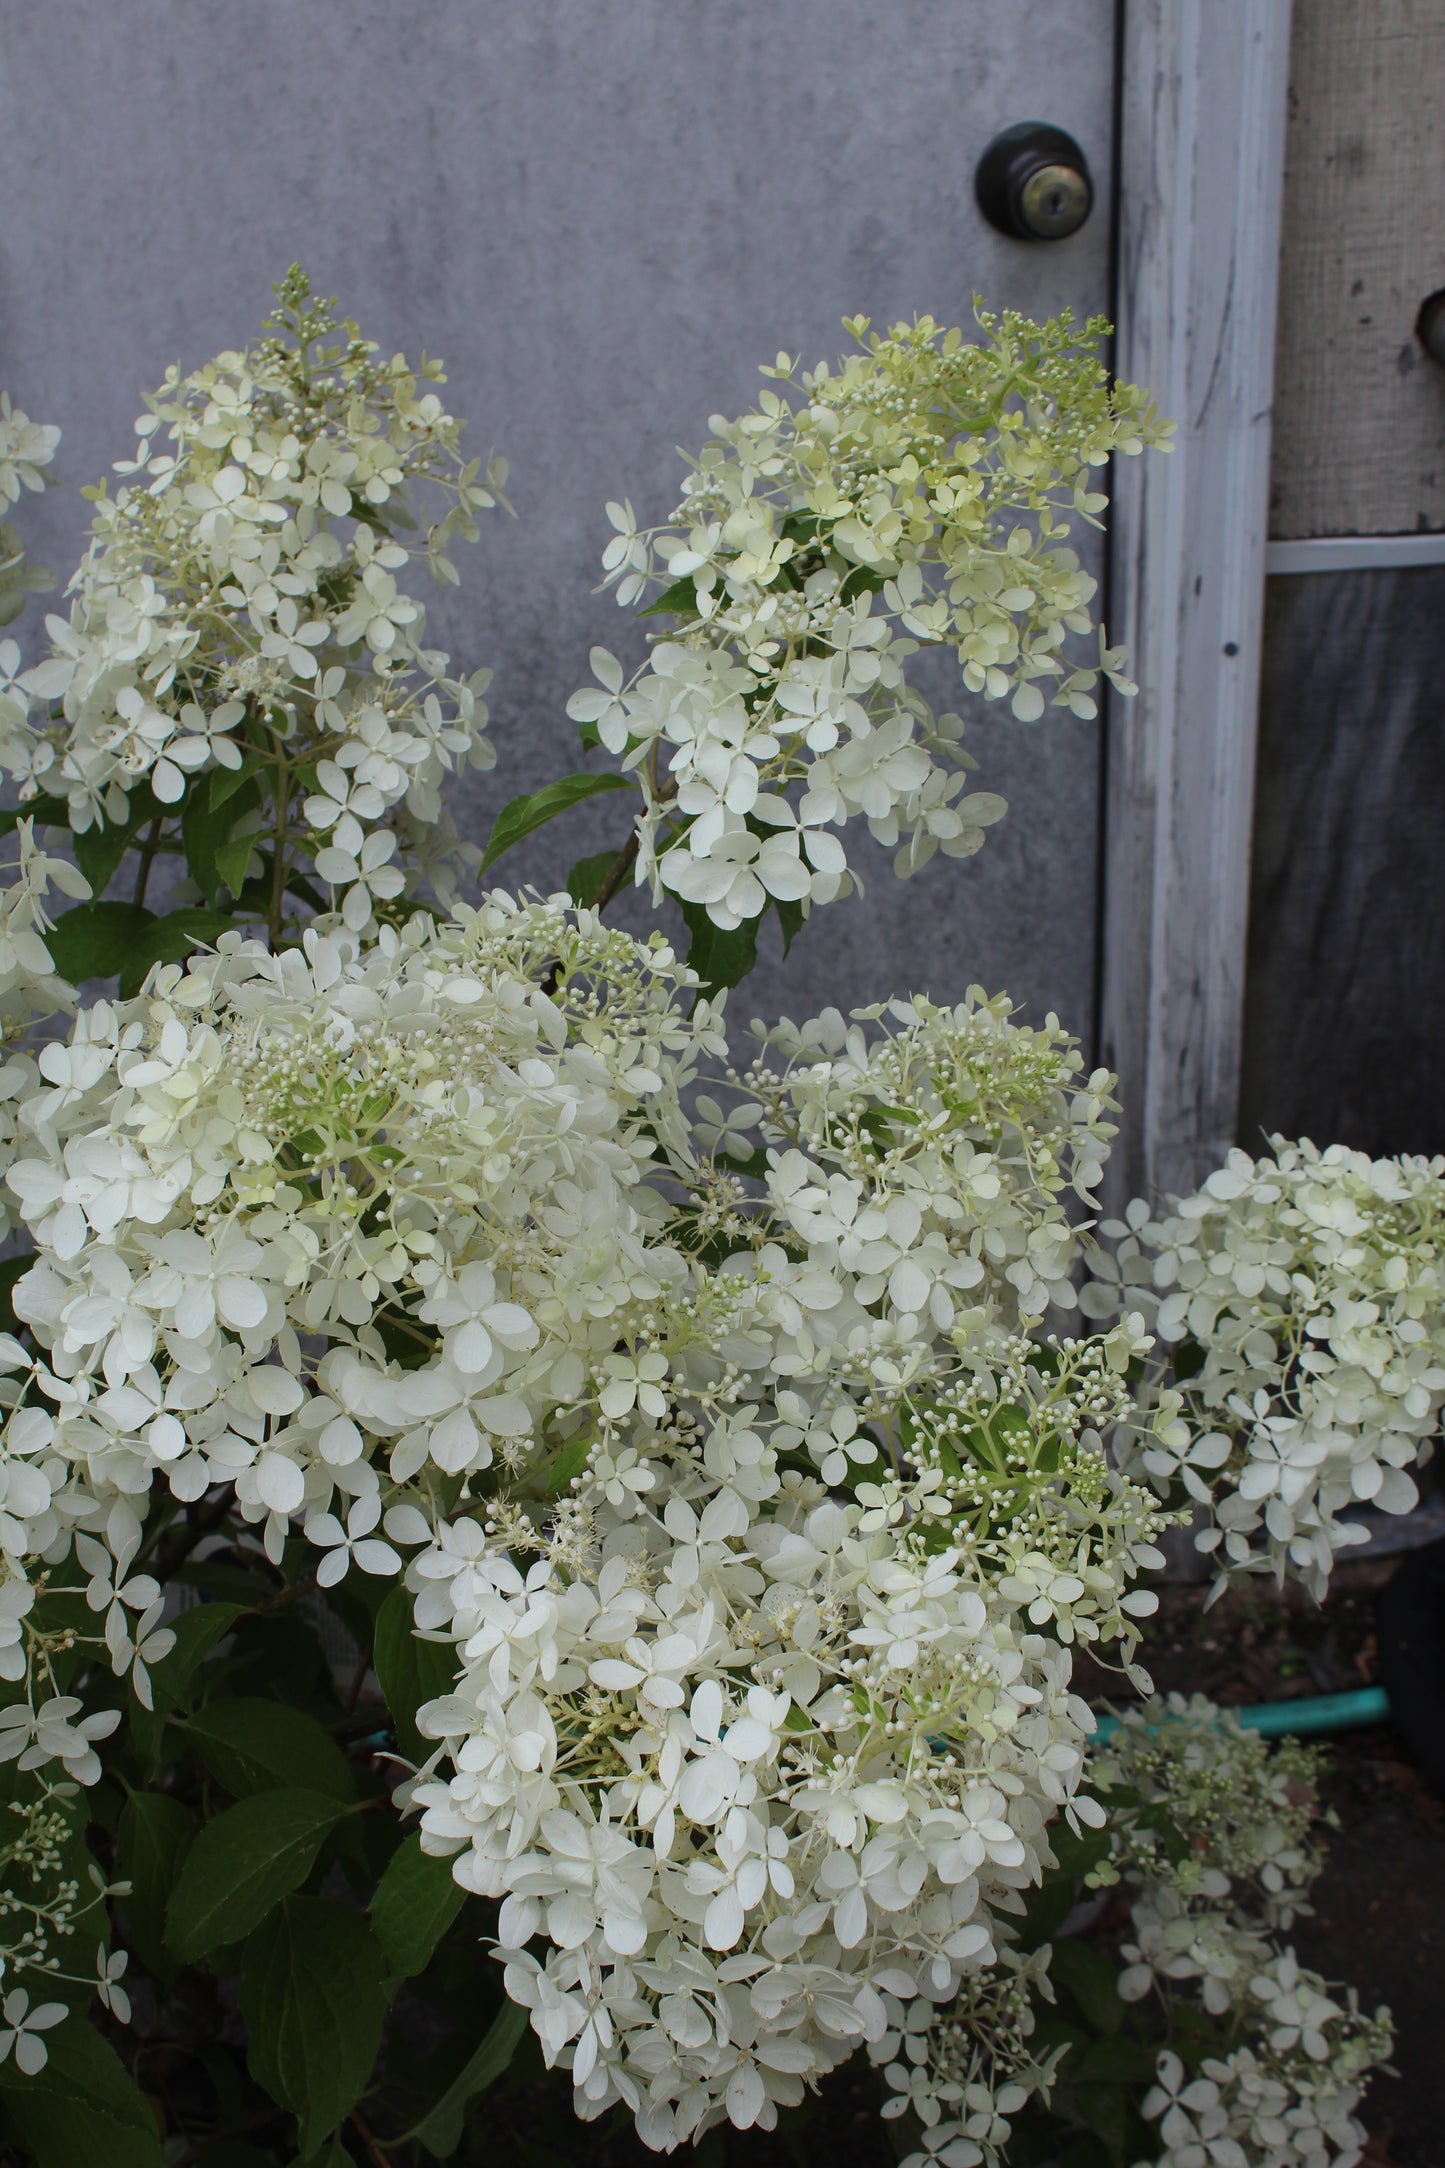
<point x="965" y="2069"/>
<point x="239" y="612"/>
<point x="1294" y="2054"/>
<point x="283" y="1197"/>
<point x="763" y="1764"/>
<point x="762" y="1772"/>
<point x="1304" y="1294"/>
<point x="1285" y="2099"/>
<point x="1245" y="1808"/>
<point x="26" y="450"/>
<point x="915" y="496"/>
<point x="31" y="992"/>
<point x="413" y="1244"/>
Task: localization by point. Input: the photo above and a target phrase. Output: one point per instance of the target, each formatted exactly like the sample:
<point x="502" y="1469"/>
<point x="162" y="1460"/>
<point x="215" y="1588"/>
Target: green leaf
<point x="1077" y="1851"/>
<point x="232" y="859"/>
<point x="96" y="940"/>
<point x="333" y="2154"/>
<point x="718" y="957"/>
<point x="206" y="827"/>
<point x="1105" y="2110"/>
<point x="416" y="1901"/>
<point x="522" y="815"/>
<point x="571" y="1461"/>
<point x="170" y="940"/>
<point x="11" y="1270"/>
<point x="1047" y="1907"/>
<point x="155" y="1834"/>
<point x="410" y="1671"/>
<point x="440" y="2129"/>
<point x="587" y="876"/>
<point x="225" y="782"/>
<point x="45" y="811"/>
<point x="100" y="849"/>
<point x="1092" y="1981"/>
<point x="83" y="2106"/>
<point x="790" y="918"/>
<point x="259" y="1746"/>
<point x="242" y="1864"/>
<point x="314" y="1999"/>
<point x="1114" y="2060"/>
<point x="197" y="1631"/>
<point x="679" y="600"/>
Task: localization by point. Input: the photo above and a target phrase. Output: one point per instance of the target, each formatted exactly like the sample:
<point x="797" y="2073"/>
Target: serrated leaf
<point x="170" y="940"/>
<point x="252" y="1745"/>
<point x="314" y="1999"/>
<point x="415" y="1903"/>
<point x="718" y="956"/>
<point x="154" y="1836"/>
<point x="410" y="1671"/>
<point x="440" y="2129"/>
<point x="95" y="940"/>
<point x="83" y="2106"/>
<point x="587" y="876"/>
<point x="242" y="1864"/>
<point x="522" y="816"/>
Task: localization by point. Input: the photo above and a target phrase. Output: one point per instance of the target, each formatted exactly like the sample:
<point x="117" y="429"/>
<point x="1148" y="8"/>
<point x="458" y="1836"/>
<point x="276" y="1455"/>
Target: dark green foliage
<point x="521" y="816"/>
<point x="242" y="1864"/>
<point x="83" y="2108"/>
<point x="440" y="2130"/>
<point x="411" y="1672"/>
<point x="255" y="1746"/>
<point x="415" y="1903"/>
<point x="719" y="958"/>
<point x="96" y="940"/>
<point x="314" y="1999"/>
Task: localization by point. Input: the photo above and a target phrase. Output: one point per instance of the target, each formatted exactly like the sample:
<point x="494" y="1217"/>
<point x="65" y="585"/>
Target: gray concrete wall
<point x="603" y="214"/>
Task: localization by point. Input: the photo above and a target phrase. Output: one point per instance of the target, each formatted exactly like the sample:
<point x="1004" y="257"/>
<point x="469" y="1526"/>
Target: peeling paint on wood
<point x="1201" y="155"/>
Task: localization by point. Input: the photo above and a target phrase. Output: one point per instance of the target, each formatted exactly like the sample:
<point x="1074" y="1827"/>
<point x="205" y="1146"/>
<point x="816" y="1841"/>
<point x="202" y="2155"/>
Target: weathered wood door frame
<point x="1200" y="165"/>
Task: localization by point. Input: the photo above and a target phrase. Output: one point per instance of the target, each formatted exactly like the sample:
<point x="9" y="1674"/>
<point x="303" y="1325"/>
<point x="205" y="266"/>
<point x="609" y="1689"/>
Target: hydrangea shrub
<point x="516" y="1515"/>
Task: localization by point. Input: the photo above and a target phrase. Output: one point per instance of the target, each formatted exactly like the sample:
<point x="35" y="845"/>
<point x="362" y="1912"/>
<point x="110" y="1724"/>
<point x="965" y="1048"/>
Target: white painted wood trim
<point x="1201" y="160"/>
<point x="1355" y="553"/>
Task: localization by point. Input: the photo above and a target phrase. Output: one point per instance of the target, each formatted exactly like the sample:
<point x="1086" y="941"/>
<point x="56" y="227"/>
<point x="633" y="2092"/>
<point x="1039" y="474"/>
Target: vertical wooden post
<point x="1201" y="161"/>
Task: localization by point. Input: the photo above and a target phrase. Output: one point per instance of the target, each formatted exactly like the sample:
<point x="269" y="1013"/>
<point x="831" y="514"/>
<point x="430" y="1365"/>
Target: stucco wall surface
<point x="603" y="217"/>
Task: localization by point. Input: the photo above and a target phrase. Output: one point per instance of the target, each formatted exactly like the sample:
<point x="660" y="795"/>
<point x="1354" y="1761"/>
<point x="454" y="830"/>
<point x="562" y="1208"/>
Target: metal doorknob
<point x="1033" y="183"/>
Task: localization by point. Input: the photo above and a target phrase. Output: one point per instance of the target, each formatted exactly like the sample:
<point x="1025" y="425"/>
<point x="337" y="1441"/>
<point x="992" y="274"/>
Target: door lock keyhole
<point x="1033" y="183"/>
